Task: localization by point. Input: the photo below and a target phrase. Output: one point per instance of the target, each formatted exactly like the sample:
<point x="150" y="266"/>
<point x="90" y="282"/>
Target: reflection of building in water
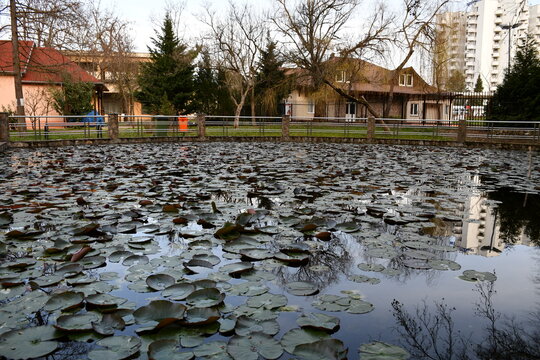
<point x="480" y="233"/>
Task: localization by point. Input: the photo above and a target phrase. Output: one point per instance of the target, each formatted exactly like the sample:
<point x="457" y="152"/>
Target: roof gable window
<point x="406" y="80"/>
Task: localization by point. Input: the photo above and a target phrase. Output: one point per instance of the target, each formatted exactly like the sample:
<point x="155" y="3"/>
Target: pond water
<point x="429" y="249"/>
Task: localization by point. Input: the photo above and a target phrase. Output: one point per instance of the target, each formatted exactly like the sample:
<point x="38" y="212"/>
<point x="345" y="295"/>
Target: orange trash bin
<point x="183" y="123"/>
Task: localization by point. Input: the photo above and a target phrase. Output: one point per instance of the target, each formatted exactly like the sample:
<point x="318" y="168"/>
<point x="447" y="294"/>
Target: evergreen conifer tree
<point x="518" y="97"/>
<point x="271" y="83"/>
<point x="479" y="86"/>
<point x="166" y="82"/>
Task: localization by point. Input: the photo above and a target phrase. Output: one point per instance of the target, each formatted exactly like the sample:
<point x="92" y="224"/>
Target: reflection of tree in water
<point x="332" y="254"/>
<point x="429" y="333"/>
<point x="517" y="212"/>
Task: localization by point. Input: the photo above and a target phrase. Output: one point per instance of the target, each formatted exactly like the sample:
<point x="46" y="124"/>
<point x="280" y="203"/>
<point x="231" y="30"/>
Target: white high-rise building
<point x="492" y="27"/>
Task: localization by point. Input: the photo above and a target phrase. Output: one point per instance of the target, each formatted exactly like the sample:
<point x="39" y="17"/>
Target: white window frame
<point x="311" y="107"/>
<point x="406" y="80"/>
<point x="340" y="76"/>
<point x="414" y="109"/>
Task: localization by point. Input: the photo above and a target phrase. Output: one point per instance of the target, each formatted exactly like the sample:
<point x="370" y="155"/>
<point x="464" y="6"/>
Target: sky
<point x="140" y="14"/>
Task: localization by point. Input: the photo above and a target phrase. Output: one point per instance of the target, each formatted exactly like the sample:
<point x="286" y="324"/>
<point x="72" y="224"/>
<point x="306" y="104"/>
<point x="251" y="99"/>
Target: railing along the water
<point x="243" y="125"/>
<point x="36" y="128"/>
<point x="156" y="126"/>
<point x="56" y="127"/>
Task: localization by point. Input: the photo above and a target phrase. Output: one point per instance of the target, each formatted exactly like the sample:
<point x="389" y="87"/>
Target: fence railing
<point x="114" y="127"/>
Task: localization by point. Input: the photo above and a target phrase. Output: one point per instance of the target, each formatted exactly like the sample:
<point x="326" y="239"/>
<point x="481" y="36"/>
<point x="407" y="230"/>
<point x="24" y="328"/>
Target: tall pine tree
<point x="211" y="94"/>
<point x="518" y="97"/>
<point x="166" y="84"/>
<point x="272" y="84"/>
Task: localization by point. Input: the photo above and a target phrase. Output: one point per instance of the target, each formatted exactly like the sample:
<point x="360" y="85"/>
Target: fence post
<point x="113" y="127"/>
<point x="201" y="126"/>
<point x="285" y="123"/>
<point x="370" y="128"/>
<point x="462" y="131"/>
<point x="4" y="127"/>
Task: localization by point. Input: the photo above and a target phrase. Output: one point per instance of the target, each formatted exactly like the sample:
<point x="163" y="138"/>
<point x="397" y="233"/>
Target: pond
<point x="258" y="250"/>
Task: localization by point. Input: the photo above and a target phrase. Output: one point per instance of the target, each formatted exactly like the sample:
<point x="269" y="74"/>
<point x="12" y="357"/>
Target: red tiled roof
<point x="42" y="64"/>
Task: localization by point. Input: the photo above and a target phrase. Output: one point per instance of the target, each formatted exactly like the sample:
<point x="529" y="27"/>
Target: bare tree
<point x="237" y="40"/>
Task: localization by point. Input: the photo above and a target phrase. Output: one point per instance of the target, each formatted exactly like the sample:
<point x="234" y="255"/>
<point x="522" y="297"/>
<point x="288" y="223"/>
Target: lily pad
<point x="159" y="313"/>
<point x="246" y="326"/>
<point x="116" y="348"/>
<point x="65" y="301"/>
<point x="473" y="275"/>
<point x="267" y="301"/>
<point x="201" y="316"/>
<point x="301" y="288"/>
<point x="179" y="291"/>
<point x="295" y="337"/>
<point x="109" y="324"/>
<point x="251" y="346"/>
<point x="159" y="282"/>
<point x="105" y="300"/>
<point x="324" y="349"/>
<point x="75" y="323"/>
<point x="205" y="298"/>
<point x="237" y="268"/>
<point x="168" y="350"/>
<point x="382" y="351"/>
<point x="318" y="321"/>
<point x="32" y="342"/>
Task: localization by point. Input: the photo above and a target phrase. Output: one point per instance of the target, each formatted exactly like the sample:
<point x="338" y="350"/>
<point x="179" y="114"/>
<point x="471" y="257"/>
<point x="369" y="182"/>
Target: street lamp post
<point x="509" y="27"/>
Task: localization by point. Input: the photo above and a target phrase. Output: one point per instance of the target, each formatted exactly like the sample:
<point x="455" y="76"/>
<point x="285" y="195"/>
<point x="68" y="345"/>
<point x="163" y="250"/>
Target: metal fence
<point x="113" y="126"/>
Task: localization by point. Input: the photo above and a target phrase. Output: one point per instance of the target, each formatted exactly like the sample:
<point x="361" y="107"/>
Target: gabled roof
<point x="41" y="64"/>
<point x="369" y="77"/>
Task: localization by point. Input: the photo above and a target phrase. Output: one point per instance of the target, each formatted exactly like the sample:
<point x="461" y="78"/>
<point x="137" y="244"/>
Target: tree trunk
<point x="16" y="63"/>
<point x="253" y="120"/>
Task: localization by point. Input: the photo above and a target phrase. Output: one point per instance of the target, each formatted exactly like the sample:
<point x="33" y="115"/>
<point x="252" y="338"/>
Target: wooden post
<point x="285" y="123"/>
<point x="462" y="131"/>
<point x="4" y="127"/>
<point x="370" y="128"/>
<point x="201" y="126"/>
<point x="113" y="127"/>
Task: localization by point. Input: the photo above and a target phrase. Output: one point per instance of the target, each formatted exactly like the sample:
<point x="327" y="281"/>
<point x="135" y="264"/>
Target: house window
<point x="414" y="109"/>
<point x="406" y="80"/>
<point x="311" y="107"/>
<point x="340" y="76"/>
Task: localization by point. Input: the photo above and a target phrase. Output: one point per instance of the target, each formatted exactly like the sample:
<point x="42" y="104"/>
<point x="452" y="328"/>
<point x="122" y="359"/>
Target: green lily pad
<point x="5" y="219"/>
<point x="256" y="254"/>
<point x="159" y="313"/>
<point x="168" y="350"/>
<point x="318" y="321"/>
<point x="444" y="265"/>
<point x="291" y="258"/>
<point x="109" y="324"/>
<point x="201" y="316"/>
<point x="267" y="301"/>
<point x="348" y="227"/>
<point x="249" y="288"/>
<point x="29" y="343"/>
<point x="79" y="322"/>
<point x="116" y="348"/>
<point x="382" y="351"/>
<point x="135" y="260"/>
<point x="371" y="267"/>
<point x="295" y="337"/>
<point x="250" y="347"/>
<point x="205" y="298"/>
<point x="324" y="349"/>
<point x="178" y="292"/>
<point x="360" y="307"/>
<point x="301" y="288"/>
<point x="246" y="326"/>
<point x="364" y="279"/>
<point x="105" y="300"/>
<point x="159" y="282"/>
<point x="212" y="350"/>
<point x="236" y="269"/>
<point x="65" y="301"/>
<point x="473" y="275"/>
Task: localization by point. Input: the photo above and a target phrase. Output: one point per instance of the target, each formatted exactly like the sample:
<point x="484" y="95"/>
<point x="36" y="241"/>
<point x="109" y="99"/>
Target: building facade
<point x="493" y="31"/>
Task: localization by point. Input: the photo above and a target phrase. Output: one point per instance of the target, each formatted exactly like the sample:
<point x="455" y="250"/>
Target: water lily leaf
<point x="324" y="349"/>
<point x="237" y="268"/>
<point x="229" y="232"/>
<point x="118" y="256"/>
<point x="69" y="270"/>
<point x="250" y="288"/>
<point x="159" y="313"/>
<point x="65" y="301"/>
<point x="371" y="267"/>
<point x="256" y="254"/>
<point x="473" y="275"/>
<point x="246" y="326"/>
<point x="105" y="300"/>
<point x="250" y="347"/>
<point x="178" y="292"/>
<point x="168" y="350"/>
<point x="79" y="322"/>
<point x="159" y="282"/>
<point x="5" y="219"/>
<point x="301" y="288"/>
<point x="348" y="227"/>
<point x="197" y="266"/>
<point x="267" y="301"/>
<point x="294" y="259"/>
<point x="190" y="341"/>
<point x="295" y="337"/>
<point x="116" y="348"/>
<point x="92" y="262"/>
<point x="382" y="351"/>
<point x="213" y="349"/>
<point x="201" y="316"/>
<point x="318" y="321"/>
<point x="205" y="298"/>
<point x="324" y="235"/>
<point x="364" y="279"/>
<point x="359" y="307"/>
<point x="444" y="264"/>
<point x="29" y="343"/>
<point x="135" y="259"/>
<point x="109" y="324"/>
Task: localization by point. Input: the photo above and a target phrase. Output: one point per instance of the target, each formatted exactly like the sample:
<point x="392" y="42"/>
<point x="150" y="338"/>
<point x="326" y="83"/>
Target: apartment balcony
<point x="469" y="72"/>
<point x="496" y="47"/>
<point x="495" y="63"/>
<point x="495" y="55"/>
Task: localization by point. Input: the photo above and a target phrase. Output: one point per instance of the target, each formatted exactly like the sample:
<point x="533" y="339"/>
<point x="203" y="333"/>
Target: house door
<point x="350" y="111"/>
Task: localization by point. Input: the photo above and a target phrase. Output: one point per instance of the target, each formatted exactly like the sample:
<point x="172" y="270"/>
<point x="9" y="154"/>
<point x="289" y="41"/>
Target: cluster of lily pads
<point x="173" y="252"/>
